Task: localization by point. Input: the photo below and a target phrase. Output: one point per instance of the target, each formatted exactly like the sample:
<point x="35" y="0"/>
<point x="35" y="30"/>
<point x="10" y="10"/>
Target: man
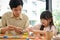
<point x="14" y="21"/>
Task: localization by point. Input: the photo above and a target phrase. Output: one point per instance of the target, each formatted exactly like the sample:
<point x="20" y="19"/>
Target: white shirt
<point x="53" y="28"/>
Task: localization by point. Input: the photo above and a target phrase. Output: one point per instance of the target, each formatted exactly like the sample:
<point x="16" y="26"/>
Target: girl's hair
<point x="46" y="15"/>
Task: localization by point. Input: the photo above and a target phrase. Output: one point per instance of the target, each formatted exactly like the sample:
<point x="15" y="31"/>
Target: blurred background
<point x="33" y="9"/>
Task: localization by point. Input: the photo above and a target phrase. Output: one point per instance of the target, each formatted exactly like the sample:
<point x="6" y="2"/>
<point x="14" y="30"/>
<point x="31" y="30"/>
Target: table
<point x="20" y="38"/>
<point x="57" y="37"/>
<point x="16" y="39"/>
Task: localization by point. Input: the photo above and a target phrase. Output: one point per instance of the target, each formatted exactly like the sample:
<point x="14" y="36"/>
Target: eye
<point x="19" y="9"/>
<point x="15" y="10"/>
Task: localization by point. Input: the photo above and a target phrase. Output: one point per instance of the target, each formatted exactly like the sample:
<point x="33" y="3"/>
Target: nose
<point x="18" y="12"/>
<point x="43" y="23"/>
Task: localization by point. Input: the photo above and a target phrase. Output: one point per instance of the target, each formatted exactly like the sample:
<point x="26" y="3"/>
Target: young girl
<point x="46" y="25"/>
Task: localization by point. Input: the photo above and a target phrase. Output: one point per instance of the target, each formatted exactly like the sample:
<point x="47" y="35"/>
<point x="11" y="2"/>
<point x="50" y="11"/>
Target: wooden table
<point x="57" y="37"/>
<point x="21" y="38"/>
<point x="16" y="39"/>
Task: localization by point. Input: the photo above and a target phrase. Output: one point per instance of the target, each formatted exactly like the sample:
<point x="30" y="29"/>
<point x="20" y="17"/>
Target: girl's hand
<point x="29" y="29"/>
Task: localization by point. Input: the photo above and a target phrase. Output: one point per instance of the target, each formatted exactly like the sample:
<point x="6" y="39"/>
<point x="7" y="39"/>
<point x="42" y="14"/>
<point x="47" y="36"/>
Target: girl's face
<point x="45" y="22"/>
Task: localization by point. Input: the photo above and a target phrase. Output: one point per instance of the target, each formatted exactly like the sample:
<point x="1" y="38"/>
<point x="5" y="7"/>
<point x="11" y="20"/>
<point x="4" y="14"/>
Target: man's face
<point x="17" y="11"/>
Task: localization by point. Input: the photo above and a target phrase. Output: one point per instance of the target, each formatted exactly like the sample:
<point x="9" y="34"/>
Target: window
<point x="4" y="7"/>
<point x="56" y="13"/>
<point x="32" y="8"/>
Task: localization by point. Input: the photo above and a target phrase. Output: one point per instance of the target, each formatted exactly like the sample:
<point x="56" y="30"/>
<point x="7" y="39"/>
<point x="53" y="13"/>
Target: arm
<point x="18" y="30"/>
<point x="4" y="20"/>
<point x="26" y="24"/>
<point x="3" y="29"/>
<point x="54" y="30"/>
<point x="38" y="31"/>
<point x="36" y="27"/>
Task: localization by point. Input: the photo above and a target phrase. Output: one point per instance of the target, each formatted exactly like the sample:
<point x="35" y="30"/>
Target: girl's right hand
<point x="29" y="29"/>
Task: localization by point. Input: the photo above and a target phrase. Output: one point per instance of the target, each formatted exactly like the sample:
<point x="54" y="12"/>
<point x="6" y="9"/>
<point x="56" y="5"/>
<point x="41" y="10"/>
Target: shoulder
<point x="53" y="27"/>
<point x="6" y="14"/>
<point x="25" y="16"/>
<point x="37" y="26"/>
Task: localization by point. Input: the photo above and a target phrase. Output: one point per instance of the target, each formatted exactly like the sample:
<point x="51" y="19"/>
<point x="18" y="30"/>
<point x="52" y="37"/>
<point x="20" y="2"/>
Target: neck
<point x="16" y="16"/>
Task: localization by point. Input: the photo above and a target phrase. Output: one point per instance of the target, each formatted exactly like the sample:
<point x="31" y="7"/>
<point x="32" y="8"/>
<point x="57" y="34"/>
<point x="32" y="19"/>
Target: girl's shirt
<point x="53" y="28"/>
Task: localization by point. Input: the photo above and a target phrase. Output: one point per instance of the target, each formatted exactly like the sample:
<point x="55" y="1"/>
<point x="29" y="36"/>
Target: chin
<point x="17" y="15"/>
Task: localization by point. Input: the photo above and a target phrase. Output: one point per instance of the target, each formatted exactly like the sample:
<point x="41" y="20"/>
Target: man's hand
<point x="11" y="27"/>
<point x="29" y="29"/>
<point x="3" y="30"/>
<point x="18" y="30"/>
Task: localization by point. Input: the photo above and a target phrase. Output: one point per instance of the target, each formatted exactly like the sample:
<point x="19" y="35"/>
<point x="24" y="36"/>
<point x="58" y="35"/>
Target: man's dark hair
<point x="15" y="3"/>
